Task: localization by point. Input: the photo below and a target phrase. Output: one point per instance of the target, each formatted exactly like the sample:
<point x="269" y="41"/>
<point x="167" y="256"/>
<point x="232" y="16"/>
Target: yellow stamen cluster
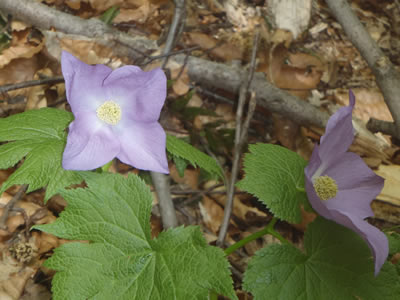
<point x="109" y="112"/>
<point x="325" y="187"/>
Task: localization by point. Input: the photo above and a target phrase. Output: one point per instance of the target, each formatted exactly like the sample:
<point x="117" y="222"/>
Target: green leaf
<point x="180" y="164"/>
<point x="40" y="137"/>
<point x="109" y="15"/>
<point x="394" y="242"/>
<point x="275" y="175"/>
<point x="121" y="261"/>
<point x="186" y="151"/>
<point x="337" y="265"/>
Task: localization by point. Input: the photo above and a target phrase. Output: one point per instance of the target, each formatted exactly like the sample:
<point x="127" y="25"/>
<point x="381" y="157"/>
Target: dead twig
<point x="21" y="85"/>
<point x="387" y="77"/>
<point x="10" y="205"/>
<point x="175" y="29"/>
<point x="240" y="139"/>
<point x="207" y="73"/>
<point x="385" y="127"/>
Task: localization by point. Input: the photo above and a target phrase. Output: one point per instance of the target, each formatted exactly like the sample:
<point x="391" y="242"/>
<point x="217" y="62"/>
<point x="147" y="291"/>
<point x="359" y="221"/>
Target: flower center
<point x="109" y="112"/>
<point x="325" y="187"/>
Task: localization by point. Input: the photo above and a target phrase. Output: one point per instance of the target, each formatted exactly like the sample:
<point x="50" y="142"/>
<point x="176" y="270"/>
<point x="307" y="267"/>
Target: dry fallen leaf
<point x="21" y="47"/>
<point x="212" y="213"/>
<point x="221" y="50"/>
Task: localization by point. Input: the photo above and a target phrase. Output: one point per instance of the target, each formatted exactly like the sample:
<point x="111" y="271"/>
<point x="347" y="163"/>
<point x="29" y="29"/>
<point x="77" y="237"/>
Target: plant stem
<point x="213" y="296"/>
<point x="269" y="229"/>
<point x="300" y="189"/>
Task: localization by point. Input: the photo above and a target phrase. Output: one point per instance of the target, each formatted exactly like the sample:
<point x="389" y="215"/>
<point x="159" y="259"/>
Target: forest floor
<point x="319" y="66"/>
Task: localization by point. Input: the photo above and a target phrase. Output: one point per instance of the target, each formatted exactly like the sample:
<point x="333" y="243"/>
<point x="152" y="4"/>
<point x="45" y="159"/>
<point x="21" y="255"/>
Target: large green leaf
<point x="122" y="261"/>
<point x="275" y="175"/>
<point x="184" y="150"/>
<point x="337" y="265"/>
<point x="40" y="137"/>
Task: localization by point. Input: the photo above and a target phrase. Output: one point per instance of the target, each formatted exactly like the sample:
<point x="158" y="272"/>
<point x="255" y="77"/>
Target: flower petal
<point x="358" y="185"/>
<point x="90" y="144"/>
<point x="83" y="83"/>
<point x="143" y="146"/>
<point x="376" y="239"/>
<point x="339" y="132"/>
<point x="140" y="94"/>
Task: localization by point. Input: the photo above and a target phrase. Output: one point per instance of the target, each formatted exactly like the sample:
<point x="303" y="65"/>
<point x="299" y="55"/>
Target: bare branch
<point x="21" y="85"/>
<point x="207" y="73"/>
<point x="10" y="205"/>
<point x="240" y="139"/>
<point x="387" y="77"/>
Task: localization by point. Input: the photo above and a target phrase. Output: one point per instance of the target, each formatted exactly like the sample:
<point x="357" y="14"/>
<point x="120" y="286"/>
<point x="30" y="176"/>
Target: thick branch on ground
<point x="44" y="17"/>
<point x="205" y="72"/>
<point x="221" y="76"/>
<point x="386" y="75"/>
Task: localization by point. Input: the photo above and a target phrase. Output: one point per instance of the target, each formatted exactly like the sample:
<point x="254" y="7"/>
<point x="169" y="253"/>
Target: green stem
<point x="213" y="296"/>
<point x="300" y="189"/>
<point x="269" y="229"/>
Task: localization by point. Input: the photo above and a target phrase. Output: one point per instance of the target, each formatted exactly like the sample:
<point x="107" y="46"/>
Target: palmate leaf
<point x="186" y="151"/>
<point x="40" y="137"/>
<point x="275" y="175"/>
<point x="122" y="261"/>
<point x="337" y="264"/>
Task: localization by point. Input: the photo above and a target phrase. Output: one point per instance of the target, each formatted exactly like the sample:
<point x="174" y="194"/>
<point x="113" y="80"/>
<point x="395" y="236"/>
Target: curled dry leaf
<point x="212" y="213"/>
<point x="190" y="178"/>
<point x="218" y="49"/>
<point x="45" y="242"/>
<point x="138" y="15"/>
<point x="36" y="95"/>
<point x="102" y="5"/>
<point x="21" y="47"/>
<point x="370" y="104"/>
<point x="297" y="73"/>
<point x="240" y="210"/>
<point x="181" y="81"/>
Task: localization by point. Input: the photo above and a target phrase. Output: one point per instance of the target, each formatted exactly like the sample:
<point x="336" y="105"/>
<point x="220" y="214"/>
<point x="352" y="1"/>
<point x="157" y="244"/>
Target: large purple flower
<point x="116" y="115"/>
<point x="341" y="187"/>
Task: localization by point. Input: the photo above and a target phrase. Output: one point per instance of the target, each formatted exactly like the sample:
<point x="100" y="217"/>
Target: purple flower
<point x="116" y="115"/>
<point x="341" y="187"/>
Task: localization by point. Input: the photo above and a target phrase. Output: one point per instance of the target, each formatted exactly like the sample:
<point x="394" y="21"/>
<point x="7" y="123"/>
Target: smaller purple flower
<point x="341" y="187"/>
<point x="116" y="115"/>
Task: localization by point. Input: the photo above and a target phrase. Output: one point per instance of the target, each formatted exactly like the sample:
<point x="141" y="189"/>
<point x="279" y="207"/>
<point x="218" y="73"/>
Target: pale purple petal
<point x="143" y="146"/>
<point x="376" y="239"/>
<point x="140" y="94"/>
<point x="83" y="83"/>
<point x="339" y="132"/>
<point x="90" y="144"/>
<point x="357" y="184"/>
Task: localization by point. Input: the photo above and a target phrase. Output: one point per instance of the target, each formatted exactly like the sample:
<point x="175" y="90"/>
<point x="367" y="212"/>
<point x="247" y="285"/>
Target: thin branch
<point x="385" y="127"/>
<point x="174" y="31"/>
<point x="240" y="139"/>
<point x="45" y="17"/>
<point x="207" y="73"/>
<point x="21" y="85"/>
<point x="387" y="77"/>
<point x="10" y="205"/>
<point x="161" y="181"/>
